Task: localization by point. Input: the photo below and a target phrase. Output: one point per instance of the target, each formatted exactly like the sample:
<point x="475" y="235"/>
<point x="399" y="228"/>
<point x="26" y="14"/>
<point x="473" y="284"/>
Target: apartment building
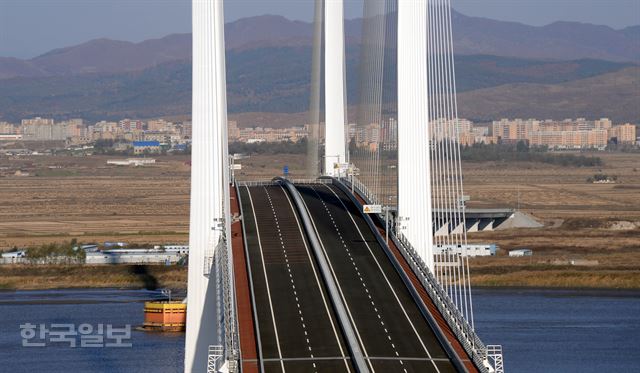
<point x="623" y="134"/>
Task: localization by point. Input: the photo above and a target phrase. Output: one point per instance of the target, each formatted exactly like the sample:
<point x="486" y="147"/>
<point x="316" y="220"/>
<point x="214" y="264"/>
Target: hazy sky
<point x="31" y="27"/>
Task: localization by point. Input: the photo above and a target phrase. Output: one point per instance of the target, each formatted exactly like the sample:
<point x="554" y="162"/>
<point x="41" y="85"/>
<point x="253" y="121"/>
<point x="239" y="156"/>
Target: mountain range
<point x="472" y="35"/>
<point x="268" y="67"/>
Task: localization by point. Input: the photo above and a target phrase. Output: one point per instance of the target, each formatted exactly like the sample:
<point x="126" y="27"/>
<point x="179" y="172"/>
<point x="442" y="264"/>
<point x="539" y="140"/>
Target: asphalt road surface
<point x="295" y="321"/>
<point x="394" y="335"/>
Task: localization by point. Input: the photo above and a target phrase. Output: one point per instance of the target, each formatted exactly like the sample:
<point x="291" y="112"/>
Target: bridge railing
<point x="254" y="183"/>
<point x="461" y="328"/>
<point x="272" y="182"/>
<point x="311" y="181"/>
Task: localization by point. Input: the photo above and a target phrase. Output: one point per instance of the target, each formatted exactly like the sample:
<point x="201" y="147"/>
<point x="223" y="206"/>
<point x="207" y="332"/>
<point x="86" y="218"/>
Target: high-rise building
<point x="506" y="130"/>
<point x="159" y="125"/>
<point x="233" y="131"/>
<point x="604" y="123"/>
<point x="74" y="128"/>
<point x="7" y="128"/>
<point x="623" y="134"/>
<point x="40" y="129"/>
<point x="185" y="130"/>
<point x="129" y="125"/>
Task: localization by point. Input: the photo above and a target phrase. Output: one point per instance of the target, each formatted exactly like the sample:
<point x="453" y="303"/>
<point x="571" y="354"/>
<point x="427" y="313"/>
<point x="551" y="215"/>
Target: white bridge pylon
<point x="414" y="161"/>
<point x="335" y="97"/>
<point x="209" y="182"/>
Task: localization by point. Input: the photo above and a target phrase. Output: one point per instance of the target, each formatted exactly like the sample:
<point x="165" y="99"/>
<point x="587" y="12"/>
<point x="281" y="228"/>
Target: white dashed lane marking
<point x="293" y="285"/>
<point x="364" y="285"/>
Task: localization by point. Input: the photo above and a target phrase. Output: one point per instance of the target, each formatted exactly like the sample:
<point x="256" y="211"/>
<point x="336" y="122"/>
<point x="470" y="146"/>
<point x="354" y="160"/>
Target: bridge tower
<point x="414" y="161"/>
<point x="335" y="97"/>
<point x="209" y="182"/>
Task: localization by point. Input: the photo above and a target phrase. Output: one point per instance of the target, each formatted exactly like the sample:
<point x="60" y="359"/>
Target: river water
<point x="540" y="331"/>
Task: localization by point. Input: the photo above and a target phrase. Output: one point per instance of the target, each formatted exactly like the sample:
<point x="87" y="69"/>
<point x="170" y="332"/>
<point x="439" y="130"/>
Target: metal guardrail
<point x="255" y="183"/>
<point x="274" y="180"/>
<point x="310" y="181"/>
<point x="494" y="354"/>
<point x="458" y="324"/>
<point x="214" y="355"/>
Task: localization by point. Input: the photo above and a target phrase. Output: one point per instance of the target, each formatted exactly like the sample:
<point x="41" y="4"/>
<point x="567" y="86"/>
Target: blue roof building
<point x="139" y="144"/>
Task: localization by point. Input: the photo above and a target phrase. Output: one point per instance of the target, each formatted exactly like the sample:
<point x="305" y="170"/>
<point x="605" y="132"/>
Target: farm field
<point x="65" y="197"/>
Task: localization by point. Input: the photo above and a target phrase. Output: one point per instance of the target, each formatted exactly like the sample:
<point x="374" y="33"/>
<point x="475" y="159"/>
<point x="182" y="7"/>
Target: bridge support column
<point x="209" y="182"/>
<point x="335" y="100"/>
<point x="414" y="163"/>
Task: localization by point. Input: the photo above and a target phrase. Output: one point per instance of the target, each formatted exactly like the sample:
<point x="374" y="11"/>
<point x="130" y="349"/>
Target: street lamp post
<point x="386" y="218"/>
<point x="353" y="172"/>
<point x="232" y="161"/>
<point x="386" y="224"/>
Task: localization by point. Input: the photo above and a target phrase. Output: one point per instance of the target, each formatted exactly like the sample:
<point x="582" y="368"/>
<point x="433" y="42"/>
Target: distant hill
<point x="274" y="79"/>
<point x="614" y="95"/>
<point x="472" y="36"/>
<point x="559" y="40"/>
<point x="502" y="69"/>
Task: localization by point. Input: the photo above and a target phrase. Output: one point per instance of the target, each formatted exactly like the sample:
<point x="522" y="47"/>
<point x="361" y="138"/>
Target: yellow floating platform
<point x="165" y="316"/>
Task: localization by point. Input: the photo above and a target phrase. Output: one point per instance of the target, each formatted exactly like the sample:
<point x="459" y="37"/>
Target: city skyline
<point x="578" y="133"/>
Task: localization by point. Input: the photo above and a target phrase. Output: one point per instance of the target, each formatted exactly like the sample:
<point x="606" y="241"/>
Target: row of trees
<point x="284" y="147"/>
<point x="524" y="153"/>
<point x="56" y="253"/>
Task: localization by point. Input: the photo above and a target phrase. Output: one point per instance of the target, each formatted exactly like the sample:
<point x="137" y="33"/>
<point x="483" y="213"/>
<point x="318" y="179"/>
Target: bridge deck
<point x="296" y="326"/>
<point x="295" y="322"/>
<point x="393" y="333"/>
<point x="428" y="302"/>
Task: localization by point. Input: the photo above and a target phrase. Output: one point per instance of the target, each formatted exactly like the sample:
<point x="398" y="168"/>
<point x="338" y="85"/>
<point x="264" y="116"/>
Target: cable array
<point x="314" y="134"/>
<point x="450" y="256"/>
<point x="373" y="138"/>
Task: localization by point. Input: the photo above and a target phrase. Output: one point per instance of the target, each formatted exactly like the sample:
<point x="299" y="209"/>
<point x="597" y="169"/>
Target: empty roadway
<point x="296" y="326"/>
<point x="393" y="333"/>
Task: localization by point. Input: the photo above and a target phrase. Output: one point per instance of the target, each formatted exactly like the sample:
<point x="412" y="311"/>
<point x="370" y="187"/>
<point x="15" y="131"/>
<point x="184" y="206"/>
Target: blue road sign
<point x="285" y="170"/>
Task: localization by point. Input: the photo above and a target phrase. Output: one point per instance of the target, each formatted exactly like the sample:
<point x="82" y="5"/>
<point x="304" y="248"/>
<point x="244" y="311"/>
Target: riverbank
<point x="557" y="278"/>
<point x="500" y="275"/>
<point x="39" y="277"/>
<point x="603" y="271"/>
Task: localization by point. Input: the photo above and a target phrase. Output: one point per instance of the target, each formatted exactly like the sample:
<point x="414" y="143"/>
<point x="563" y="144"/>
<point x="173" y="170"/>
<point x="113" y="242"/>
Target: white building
<point x="471" y="250"/>
<point x="521" y="252"/>
<point x="131" y="162"/>
<point x="135" y="256"/>
<point x="13" y="257"/>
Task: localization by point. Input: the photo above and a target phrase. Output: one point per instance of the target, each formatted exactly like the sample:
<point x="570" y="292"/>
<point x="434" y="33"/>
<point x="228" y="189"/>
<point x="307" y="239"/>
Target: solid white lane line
<point x="264" y="269"/>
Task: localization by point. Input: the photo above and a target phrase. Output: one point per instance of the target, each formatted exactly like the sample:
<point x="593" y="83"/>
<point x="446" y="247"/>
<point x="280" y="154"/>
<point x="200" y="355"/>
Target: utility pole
<point x="386" y="224"/>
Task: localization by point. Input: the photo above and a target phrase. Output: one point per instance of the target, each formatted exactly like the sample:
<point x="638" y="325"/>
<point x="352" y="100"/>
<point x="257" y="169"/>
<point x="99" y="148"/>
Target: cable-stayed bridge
<point x="337" y="272"/>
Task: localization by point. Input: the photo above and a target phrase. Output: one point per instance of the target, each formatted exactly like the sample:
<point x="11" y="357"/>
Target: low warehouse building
<point x="471" y="250"/>
<point x="521" y="252"/>
<point x="134" y="256"/>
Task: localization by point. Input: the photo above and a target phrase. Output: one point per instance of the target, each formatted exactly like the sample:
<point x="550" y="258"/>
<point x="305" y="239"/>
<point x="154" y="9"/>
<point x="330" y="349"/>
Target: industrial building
<point x="471" y="250"/>
<point x="136" y="256"/>
<point x="521" y="252"/>
<point x="142" y="147"/>
<point x="131" y="162"/>
<point x="12" y="257"/>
